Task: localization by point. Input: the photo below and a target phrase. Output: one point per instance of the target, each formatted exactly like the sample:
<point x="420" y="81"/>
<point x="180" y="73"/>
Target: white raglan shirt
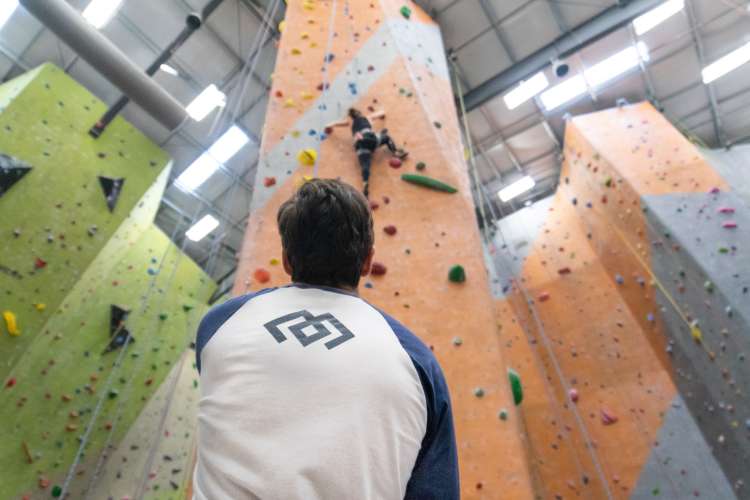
<point x="312" y="393"/>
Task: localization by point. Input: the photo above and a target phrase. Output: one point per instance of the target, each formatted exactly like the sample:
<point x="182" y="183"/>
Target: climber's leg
<point x="385" y="139"/>
<point x="364" y="156"/>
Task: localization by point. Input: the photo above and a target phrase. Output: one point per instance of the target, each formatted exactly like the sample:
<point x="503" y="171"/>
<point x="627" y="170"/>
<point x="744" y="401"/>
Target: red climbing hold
<point x="729" y="224"/>
<point x="378" y="269"/>
<point x="544" y="297"/>
<point x="39" y="263"/>
<point x="564" y="270"/>
<point x="394" y="162"/>
<point x="269" y="181"/>
<point x="261" y="275"/>
<point x="608" y="418"/>
<point x="11" y="382"/>
<point x="573" y="394"/>
<point x="374" y="205"/>
<point x="279" y="93"/>
<point x="726" y="210"/>
<point x="328" y="130"/>
<point x="390" y="230"/>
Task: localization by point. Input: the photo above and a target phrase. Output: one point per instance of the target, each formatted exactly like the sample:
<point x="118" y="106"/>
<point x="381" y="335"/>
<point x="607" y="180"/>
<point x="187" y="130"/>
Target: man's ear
<point x="367" y="263"/>
<point x="285" y="260"/>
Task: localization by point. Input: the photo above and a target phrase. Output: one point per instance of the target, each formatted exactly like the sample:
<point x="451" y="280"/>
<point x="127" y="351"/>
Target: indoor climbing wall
<point x="105" y="306"/>
<point x="625" y="305"/>
<point x="388" y="55"/>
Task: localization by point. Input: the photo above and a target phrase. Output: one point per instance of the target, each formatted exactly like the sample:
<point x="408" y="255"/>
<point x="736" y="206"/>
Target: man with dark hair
<point x="366" y="141"/>
<point x="307" y="391"/>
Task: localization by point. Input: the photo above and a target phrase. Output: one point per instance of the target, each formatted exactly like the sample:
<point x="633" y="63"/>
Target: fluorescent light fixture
<point x="516" y="189"/>
<point x="201" y="228"/>
<point x="222" y="150"/>
<point x="656" y="16"/>
<point x="7" y="7"/>
<point x="615" y="65"/>
<point x="169" y="69"/>
<point x="563" y="92"/>
<point x="210" y="98"/>
<point x="526" y="90"/>
<point x="99" y="12"/>
<point x="728" y="63"/>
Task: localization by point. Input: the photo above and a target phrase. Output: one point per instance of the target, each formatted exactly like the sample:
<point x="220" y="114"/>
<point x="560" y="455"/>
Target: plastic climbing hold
<point x="503" y="414"/>
<point x="261" y="275"/>
<point x="289" y="103"/>
<point x="163" y="316"/>
<point x="457" y="341"/>
<point x="282" y="26"/>
<point x="405" y="11"/>
<point x="421" y="165"/>
<point x="40" y="307"/>
<point x="274" y="261"/>
<point x="39" y="263"/>
<point x="10" y="382"/>
<point x="56" y="491"/>
<point x="378" y="269"/>
<point x="564" y="270"/>
<point x="708" y="286"/>
<point x="395" y="162"/>
<point x="543" y="297"/>
<point x="573" y="395"/>
<point x="608" y="418"/>
<point x="729" y="224"/>
<point x="695" y="332"/>
<point x="479" y="392"/>
<point x="428" y="182"/>
<point x="307" y="157"/>
<point x="295" y="51"/>
<point x="515" y="386"/>
<point x="269" y="181"/>
<point x="457" y="274"/>
<point x="619" y="279"/>
<point x="11" y="324"/>
<point x="390" y="230"/>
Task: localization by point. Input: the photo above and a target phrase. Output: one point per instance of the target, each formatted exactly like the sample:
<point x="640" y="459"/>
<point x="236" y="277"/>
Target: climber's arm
<point x="377" y="115"/>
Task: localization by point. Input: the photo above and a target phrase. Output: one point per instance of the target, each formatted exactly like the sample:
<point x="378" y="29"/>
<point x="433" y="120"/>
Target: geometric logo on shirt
<point x="310" y="330"/>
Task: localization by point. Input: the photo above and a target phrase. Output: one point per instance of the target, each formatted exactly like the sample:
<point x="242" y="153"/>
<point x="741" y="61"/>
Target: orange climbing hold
<point x="261" y="275"/>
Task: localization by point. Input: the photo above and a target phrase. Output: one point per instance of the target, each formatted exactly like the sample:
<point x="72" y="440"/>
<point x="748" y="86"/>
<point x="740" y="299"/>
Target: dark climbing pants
<point x="366" y="148"/>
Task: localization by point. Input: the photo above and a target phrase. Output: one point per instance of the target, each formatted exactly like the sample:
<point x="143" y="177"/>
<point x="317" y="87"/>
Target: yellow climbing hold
<point x="289" y="103"/>
<point x="11" y="324"/>
<point x="296" y="51"/>
<point x="40" y="307"/>
<point x="274" y="262"/>
<point x="308" y="5"/>
<point x="295" y="133"/>
<point x="313" y="45"/>
<point x="306" y="95"/>
<point x="303" y="180"/>
<point x="696" y="332"/>
<point x="282" y="25"/>
<point x="307" y="157"/>
<point x="305" y="35"/>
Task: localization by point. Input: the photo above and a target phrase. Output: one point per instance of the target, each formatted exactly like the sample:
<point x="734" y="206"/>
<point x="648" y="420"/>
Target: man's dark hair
<point x="326" y="231"/>
<point x="354" y="113"/>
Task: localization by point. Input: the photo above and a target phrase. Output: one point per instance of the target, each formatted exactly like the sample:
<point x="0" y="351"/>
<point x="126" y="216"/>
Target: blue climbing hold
<point x="151" y="272"/>
<point x="312" y="133"/>
<point x="619" y="279"/>
<point x="650" y="317"/>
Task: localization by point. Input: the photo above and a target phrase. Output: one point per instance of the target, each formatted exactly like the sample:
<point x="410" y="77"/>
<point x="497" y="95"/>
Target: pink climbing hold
<point x="573" y="395"/>
<point x="544" y="297"/>
<point x="726" y="210"/>
<point x="608" y="418"/>
<point x="730" y="224"/>
<point x="390" y="230"/>
<point x="261" y="275"/>
<point x="714" y="190"/>
<point x="378" y="269"/>
<point x="395" y="162"/>
<point x="269" y="181"/>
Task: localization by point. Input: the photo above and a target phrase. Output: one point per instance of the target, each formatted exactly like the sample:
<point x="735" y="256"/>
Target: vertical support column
<point x="366" y="53"/>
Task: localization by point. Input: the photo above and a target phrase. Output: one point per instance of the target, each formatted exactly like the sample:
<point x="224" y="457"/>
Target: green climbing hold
<point x="56" y="491"/>
<point x="421" y="165"/>
<point x="708" y="286"/>
<point x="515" y="386"/>
<point x="479" y="392"/>
<point x="503" y="415"/>
<point x="187" y="307"/>
<point x="163" y="316"/>
<point x="405" y="11"/>
<point x="457" y="274"/>
<point x="428" y="182"/>
<point x="113" y="393"/>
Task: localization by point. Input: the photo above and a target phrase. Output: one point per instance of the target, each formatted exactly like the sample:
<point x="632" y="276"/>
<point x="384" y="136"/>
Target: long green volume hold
<point x="515" y="386"/>
<point x="428" y="182"/>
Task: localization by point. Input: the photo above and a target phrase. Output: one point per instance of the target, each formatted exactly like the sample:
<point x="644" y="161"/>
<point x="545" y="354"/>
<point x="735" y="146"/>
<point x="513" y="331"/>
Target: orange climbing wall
<point x="382" y="61"/>
<point x="583" y="314"/>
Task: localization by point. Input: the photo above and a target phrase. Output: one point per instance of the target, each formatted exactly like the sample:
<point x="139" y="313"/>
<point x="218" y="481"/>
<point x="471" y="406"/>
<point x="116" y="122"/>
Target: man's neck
<point x="341" y="288"/>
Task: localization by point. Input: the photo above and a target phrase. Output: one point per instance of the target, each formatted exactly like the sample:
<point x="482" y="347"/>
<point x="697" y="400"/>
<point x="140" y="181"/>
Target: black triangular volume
<point x="117" y="316"/>
<point x="119" y="336"/>
<point x="11" y="171"/>
<point x="112" y="188"/>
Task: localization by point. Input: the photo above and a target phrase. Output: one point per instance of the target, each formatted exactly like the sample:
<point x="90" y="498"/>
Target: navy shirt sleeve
<point x="435" y="473"/>
<point x="216" y="317"/>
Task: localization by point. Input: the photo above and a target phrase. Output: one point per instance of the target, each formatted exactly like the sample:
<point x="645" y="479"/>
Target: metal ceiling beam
<point x="595" y="28"/>
<point x="710" y="92"/>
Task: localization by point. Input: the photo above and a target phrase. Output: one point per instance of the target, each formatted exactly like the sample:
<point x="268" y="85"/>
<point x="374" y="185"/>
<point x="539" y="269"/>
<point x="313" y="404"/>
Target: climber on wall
<point x="366" y="141"/>
<point x="294" y="403"/>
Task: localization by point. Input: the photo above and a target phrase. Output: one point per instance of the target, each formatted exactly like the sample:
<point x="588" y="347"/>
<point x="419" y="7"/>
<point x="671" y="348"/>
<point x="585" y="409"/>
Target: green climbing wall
<point x="44" y="119"/>
<point x="59" y="387"/>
